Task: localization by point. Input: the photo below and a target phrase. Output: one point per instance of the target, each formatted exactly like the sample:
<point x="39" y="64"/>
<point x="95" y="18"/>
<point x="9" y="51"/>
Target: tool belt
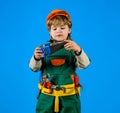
<point x="62" y="90"/>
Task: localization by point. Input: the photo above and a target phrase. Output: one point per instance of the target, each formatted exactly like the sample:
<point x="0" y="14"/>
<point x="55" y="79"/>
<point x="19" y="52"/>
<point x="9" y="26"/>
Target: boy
<point x="59" y="85"/>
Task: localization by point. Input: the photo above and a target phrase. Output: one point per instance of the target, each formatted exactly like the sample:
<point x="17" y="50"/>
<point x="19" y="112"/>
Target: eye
<point x="62" y="27"/>
<point x="54" y="28"/>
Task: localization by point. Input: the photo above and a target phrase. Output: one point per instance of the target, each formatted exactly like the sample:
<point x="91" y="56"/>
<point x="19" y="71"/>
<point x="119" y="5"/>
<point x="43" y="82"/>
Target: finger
<point x="38" y="55"/>
<point x="38" y="50"/>
<point x="68" y="47"/>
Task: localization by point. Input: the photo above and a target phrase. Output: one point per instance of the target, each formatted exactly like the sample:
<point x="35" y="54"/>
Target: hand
<point x="38" y="53"/>
<point x="71" y="45"/>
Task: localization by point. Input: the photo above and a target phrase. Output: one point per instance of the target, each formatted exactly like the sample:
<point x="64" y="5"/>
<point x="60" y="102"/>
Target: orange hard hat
<point x="57" y="12"/>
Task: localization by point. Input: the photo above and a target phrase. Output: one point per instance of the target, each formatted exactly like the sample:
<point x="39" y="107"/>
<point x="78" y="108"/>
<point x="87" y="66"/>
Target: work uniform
<point x="60" y="66"/>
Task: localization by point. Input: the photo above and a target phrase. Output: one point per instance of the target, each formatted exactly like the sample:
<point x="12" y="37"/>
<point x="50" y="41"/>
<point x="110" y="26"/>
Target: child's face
<point x="59" y="32"/>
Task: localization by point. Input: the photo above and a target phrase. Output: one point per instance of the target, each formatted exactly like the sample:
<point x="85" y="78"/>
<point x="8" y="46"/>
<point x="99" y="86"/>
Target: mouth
<point x="59" y="35"/>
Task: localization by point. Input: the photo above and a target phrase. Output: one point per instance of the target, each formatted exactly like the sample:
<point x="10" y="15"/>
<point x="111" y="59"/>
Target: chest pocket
<point x="57" y="62"/>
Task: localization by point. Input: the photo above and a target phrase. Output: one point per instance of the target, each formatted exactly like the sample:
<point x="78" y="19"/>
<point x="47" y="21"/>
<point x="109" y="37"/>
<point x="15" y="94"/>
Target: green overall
<point x="60" y="74"/>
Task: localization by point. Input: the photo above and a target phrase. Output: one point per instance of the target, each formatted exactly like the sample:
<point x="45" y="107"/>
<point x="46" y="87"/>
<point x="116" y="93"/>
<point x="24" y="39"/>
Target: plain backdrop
<point x="96" y="28"/>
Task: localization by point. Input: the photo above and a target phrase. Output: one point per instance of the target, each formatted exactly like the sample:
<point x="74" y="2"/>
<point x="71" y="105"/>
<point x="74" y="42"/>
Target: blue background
<point x="96" y="28"/>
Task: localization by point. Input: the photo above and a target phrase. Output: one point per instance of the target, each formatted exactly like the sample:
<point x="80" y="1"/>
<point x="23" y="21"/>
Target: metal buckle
<point x="57" y="88"/>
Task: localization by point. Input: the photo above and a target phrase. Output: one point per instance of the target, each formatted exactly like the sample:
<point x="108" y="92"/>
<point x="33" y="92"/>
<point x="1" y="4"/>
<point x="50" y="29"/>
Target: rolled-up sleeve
<point x="82" y="60"/>
<point x="34" y="64"/>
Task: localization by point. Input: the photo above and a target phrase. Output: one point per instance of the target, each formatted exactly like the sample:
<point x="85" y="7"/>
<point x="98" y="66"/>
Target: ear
<point x="50" y="33"/>
<point x="69" y="31"/>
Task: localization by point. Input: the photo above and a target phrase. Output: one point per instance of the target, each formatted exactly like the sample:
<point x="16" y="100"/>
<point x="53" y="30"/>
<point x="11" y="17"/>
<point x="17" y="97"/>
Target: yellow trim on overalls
<point x="70" y="89"/>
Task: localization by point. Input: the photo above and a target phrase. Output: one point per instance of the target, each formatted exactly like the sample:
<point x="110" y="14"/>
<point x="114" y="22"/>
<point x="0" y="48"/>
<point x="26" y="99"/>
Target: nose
<point x="58" y="30"/>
